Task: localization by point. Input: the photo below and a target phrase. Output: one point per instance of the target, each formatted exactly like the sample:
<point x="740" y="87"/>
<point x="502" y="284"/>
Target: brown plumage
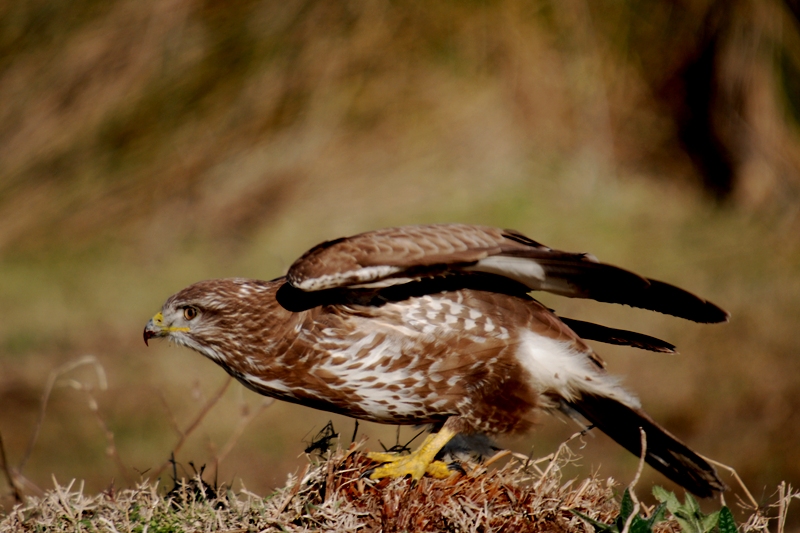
<point x="434" y="324"/>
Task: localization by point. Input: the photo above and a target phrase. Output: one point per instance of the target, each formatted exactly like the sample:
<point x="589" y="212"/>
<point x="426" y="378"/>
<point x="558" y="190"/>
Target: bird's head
<point x="210" y="316"/>
<point x="186" y="317"/>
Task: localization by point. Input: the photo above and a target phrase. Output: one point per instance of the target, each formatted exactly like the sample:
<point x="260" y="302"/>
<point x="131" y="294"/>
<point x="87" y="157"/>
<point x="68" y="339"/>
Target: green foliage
<point x="688" y="515"/>
<point x="162" y="521"/>
<point x="726" y="522"/>
<point x="691" y="518"/>
<point x="639" y="523"/>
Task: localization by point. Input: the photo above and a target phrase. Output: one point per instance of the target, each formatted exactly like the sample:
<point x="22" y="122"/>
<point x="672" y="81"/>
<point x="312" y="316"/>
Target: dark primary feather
<point x="665" y="452"/>
<point x="577" y="277"/>
<point x="596" y="332"/>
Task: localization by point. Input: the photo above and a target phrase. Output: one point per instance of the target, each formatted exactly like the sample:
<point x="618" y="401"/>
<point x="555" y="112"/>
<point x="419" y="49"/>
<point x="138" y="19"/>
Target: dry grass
<point x="332" y="495"/>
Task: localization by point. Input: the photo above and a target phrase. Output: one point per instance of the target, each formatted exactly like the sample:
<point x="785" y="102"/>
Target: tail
<point x="665" y="452"/>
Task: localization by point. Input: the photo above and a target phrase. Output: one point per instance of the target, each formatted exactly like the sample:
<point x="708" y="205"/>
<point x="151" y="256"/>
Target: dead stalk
<point x="240" y="427"/>
<point x="48" y="389"/>
<point x="9" y="475"/>
<point x="632" y="486"/>
<point x="735" y="475"/>
<point x="195" y="423"/>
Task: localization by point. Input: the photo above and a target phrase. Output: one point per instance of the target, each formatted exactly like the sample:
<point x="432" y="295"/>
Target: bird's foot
<point x="396" y="466"/>
<point x="417" y="464"/>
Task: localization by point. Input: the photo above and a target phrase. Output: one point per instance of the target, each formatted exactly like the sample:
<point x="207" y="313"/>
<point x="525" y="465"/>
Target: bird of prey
<point x="435" y="325"/>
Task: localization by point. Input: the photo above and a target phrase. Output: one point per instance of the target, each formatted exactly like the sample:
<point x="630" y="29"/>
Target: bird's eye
<point x="189" y="313"/>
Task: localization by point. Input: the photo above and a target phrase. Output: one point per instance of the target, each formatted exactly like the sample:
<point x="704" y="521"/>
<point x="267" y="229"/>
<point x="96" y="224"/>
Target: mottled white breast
<point x="406" y="343"/>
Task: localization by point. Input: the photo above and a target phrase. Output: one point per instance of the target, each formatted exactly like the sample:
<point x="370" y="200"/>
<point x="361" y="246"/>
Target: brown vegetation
<point x="333" y="495"/>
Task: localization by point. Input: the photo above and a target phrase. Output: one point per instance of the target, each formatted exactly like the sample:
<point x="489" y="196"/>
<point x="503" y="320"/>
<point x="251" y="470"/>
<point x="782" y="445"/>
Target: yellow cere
<point x="158" y="320"/>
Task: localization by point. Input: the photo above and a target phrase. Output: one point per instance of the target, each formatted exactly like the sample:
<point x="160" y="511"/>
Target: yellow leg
<point x="419" y="462"/>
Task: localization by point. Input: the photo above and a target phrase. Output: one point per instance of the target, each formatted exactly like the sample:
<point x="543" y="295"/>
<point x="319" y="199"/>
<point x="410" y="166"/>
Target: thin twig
<point x="111" y="449"/>
<point x="293" y="492"/>
<point x="554" y="456"/>
<point x="732" y="471"/>
<point x="643" y="437"/>
<point x="243" y="423"/>
<point x="9" y="475"/>
<point x="785" y="495"/>
<point x="172" y="420"/>
<point x="631" y="492"/>
<point x="51" y="382"/>
<point x="783" y="506"/>
<point x="195" y="423"/>
<point x="94" y="407"/>
<point x="496" y="457"/>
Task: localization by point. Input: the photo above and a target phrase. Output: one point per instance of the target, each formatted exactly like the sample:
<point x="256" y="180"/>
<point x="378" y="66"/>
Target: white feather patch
<point x="383" y="283"/>
<point x="351" y="277"/>
<point x="524" y="270"/>
<point x="556" y="366"/>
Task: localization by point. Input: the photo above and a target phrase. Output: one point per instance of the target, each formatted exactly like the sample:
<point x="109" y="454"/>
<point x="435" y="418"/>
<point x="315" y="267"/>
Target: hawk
<point x="435" y="325"/>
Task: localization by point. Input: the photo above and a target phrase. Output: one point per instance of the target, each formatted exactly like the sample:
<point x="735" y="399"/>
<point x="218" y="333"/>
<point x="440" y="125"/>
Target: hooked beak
<point x="154" y="328"/>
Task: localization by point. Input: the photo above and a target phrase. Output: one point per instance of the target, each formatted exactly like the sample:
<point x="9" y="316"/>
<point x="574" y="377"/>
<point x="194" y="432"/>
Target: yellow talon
<point x="438" y="470"/>
<point x="383" y="457"/>
<point x="418" y="463"/>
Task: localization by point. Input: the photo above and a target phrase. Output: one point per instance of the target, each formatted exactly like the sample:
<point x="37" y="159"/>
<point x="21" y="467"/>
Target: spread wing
<point x="398" y="255"/>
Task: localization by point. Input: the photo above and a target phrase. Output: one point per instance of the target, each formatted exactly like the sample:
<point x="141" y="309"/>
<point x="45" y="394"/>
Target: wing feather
<point x="622" y="337"/>
<point x="378" y="258"/>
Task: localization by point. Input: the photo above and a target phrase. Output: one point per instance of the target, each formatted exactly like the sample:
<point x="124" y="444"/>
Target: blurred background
<point x="148" y="144"/>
